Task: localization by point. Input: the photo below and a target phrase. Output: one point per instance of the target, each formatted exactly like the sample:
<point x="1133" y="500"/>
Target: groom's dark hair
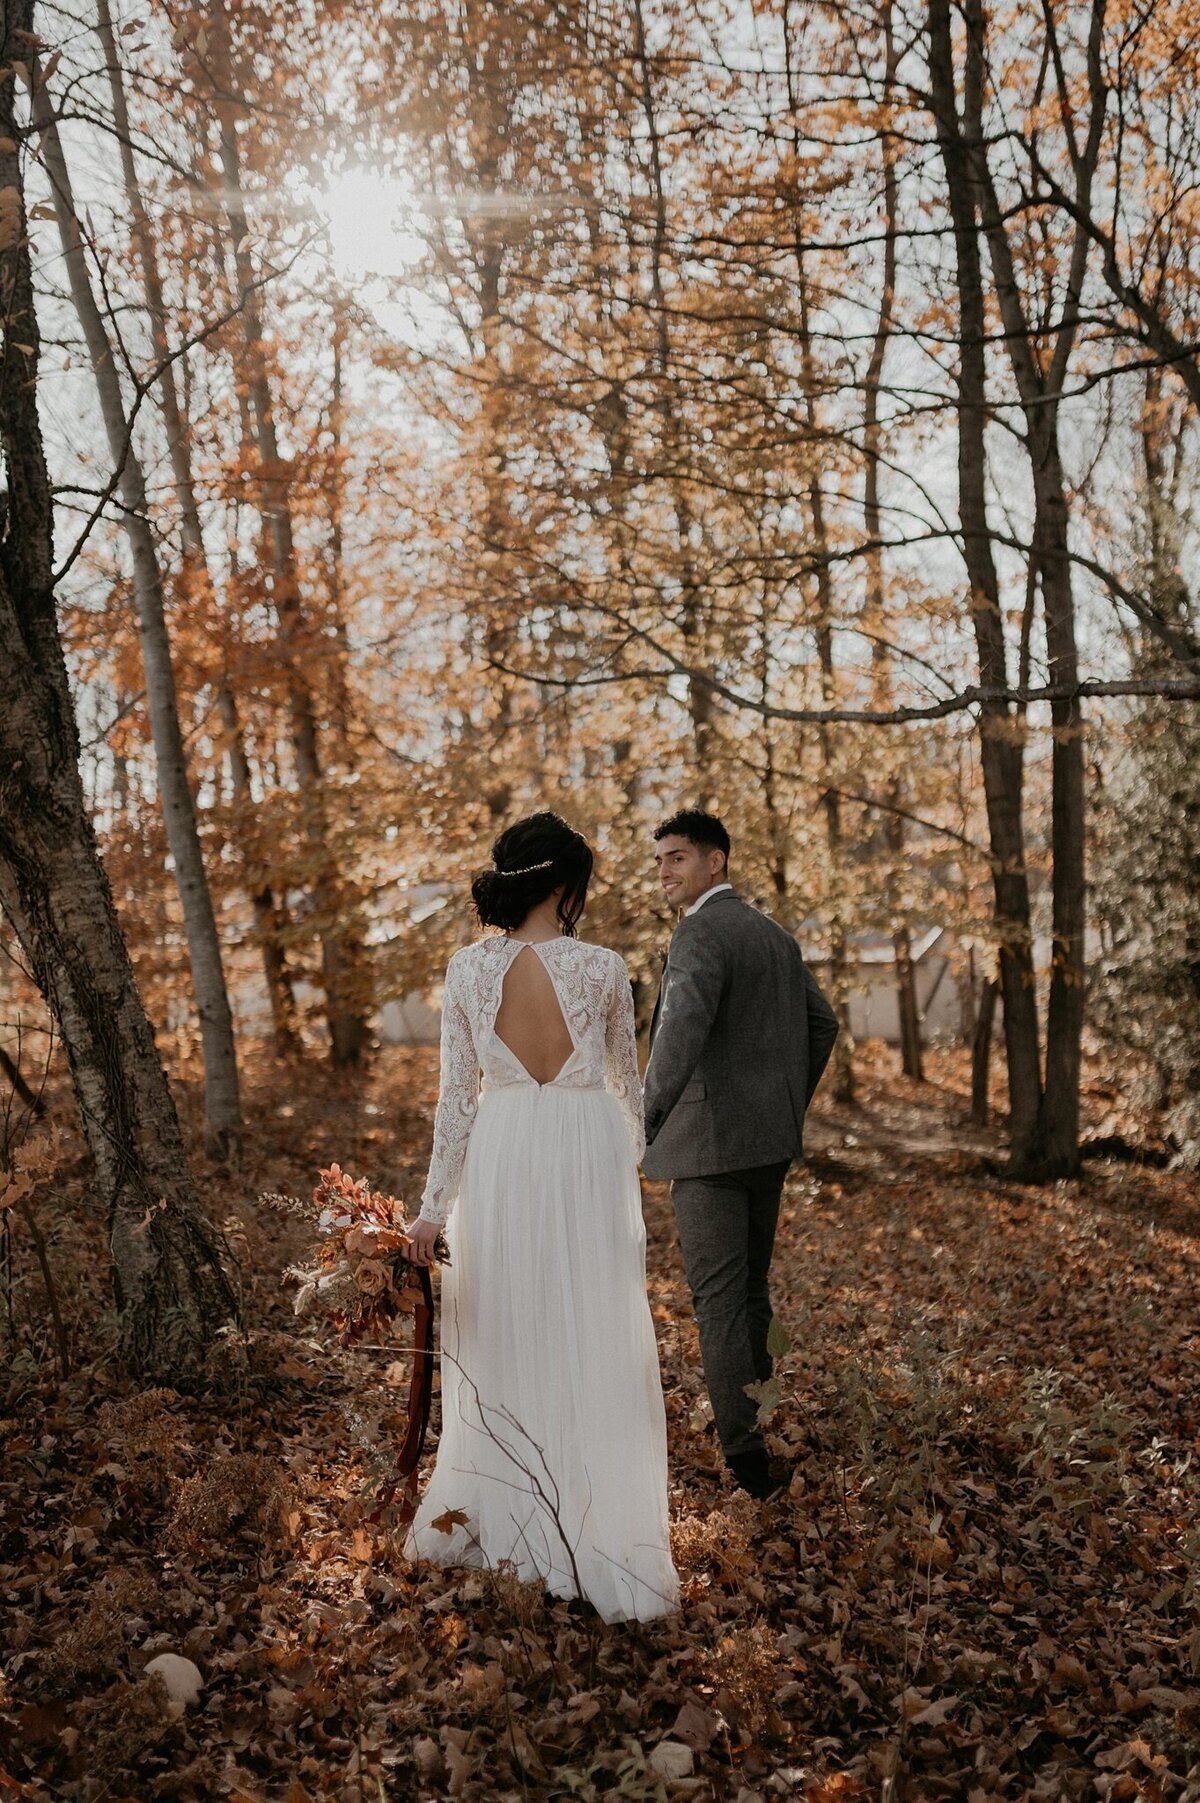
<point x="704" y="830"/>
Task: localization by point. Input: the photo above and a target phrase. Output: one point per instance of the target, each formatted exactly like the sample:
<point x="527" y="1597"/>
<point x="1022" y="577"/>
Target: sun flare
<point x="373" y="220"/>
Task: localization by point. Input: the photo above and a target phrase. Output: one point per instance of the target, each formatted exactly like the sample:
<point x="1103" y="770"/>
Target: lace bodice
<point x="592" y="986"/>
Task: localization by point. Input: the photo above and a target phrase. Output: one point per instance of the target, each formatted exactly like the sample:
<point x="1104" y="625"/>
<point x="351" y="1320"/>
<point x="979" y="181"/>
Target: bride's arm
<point x="620" y="1056"/>
<point x="458" y="1100"/>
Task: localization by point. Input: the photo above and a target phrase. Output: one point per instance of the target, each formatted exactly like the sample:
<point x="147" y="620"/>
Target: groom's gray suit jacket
<point x="740" y="1036"/>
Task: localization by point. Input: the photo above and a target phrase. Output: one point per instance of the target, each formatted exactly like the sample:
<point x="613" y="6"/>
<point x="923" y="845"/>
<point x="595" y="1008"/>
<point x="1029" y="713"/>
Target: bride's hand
<point x="421" y="1241"/>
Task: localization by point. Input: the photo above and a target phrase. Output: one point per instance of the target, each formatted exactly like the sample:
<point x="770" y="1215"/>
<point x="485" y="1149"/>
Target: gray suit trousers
<point x="727" y="1234"/>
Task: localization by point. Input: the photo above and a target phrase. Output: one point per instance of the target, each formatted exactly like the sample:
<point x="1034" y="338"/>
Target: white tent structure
<point x="874" y="1010"/>
<point x="874" y="1007"/>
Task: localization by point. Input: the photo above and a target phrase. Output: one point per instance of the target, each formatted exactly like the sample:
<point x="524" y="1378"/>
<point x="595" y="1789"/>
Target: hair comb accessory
<point x="526" y="868"/>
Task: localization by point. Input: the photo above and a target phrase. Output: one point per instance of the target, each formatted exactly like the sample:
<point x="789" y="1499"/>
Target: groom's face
<point x="687" y="871"/>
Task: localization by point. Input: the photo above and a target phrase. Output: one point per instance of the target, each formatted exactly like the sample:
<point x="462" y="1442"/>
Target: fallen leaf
<point x="448" y="1520"/>
<point x="696" y="1726"/>
<point x="935" y="1714"/>
<point x="671" y="1760"/>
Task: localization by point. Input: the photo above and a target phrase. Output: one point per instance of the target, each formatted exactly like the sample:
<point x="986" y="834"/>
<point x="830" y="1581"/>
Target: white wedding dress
<point x="553" y="1445"/>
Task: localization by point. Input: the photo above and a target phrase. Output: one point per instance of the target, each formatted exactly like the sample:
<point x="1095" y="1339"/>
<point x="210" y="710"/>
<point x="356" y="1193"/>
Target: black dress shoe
<point x="752" y="1472"/>
<point x="759" y="1475"/>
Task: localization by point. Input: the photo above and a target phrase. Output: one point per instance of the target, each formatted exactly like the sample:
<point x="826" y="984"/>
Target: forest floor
<point x="982" y="1584"/>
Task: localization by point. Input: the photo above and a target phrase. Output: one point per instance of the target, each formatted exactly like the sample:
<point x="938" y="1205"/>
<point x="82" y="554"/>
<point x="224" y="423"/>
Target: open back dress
<point x="552" y="1459"/>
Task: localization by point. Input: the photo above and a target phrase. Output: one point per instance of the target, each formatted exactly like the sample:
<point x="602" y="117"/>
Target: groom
<point x="740" y="1036"/>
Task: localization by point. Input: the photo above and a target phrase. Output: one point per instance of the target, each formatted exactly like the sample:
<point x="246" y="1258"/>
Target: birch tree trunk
<point x="894" y="835"/>
<point x="222" y="1105"/>
<point x="262" y="900"/>
<point x="842" y="1084"/>
<point x="693" y="613"/>
<point x="171" y="1293"/>
<point x="335" y="489"/>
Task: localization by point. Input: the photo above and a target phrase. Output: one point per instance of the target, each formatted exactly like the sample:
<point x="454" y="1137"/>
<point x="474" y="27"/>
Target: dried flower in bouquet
<point x="362" y="1280"/>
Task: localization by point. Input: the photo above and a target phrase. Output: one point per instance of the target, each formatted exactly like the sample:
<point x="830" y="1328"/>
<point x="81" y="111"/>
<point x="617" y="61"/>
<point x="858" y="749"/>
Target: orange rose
<point x="371" y="1277"/>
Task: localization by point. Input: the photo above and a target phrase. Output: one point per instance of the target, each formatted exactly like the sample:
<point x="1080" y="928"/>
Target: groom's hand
<point x="421" y="1241"/>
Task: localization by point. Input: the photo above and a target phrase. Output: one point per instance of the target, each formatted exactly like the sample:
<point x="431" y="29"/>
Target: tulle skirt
<point x="553" y="1455"/>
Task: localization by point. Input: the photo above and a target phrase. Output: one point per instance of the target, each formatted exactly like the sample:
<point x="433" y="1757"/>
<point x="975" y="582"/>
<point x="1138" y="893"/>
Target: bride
<point x="553" y="1456"/>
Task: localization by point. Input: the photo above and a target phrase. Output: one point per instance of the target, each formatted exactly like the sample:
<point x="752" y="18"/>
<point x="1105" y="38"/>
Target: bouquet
<point x="362" y="1280"/>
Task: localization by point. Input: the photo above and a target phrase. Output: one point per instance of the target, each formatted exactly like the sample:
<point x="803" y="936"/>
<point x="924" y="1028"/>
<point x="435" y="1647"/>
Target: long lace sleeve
<point x="620" y="1056"/>
<point x="458" y="1099"/>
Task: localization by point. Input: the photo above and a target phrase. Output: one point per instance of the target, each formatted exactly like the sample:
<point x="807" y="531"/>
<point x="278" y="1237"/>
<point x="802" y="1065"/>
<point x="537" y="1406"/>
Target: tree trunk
<point x="692" y="613"/>
<point x="345" y="1015"/>
<point x="267" y="921"/>
<point x="222" y="1105"/>
<point x="196" y="565"/>
<point x="906" y="1000"/>
<point x="906" y="992"/>
<point x="907" y="1010"/>
<point x="340" y="662"/>
<point x="11" y="1069"/>
<point x="1001" y="747"/>
<point x="171" y="1293"/>
<point x="777" y="822"/>
<point x="1055" y="1149"/>
<point x="842" y="1086"/>
<point x="981" y="1051"/>
<point x="841" y="1080"/>
<point x="1052" y="1149"/>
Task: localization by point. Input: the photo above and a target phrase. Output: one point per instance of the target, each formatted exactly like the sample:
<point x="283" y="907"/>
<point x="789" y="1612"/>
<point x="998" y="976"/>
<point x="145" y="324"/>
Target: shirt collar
<point x="708" y="894"/>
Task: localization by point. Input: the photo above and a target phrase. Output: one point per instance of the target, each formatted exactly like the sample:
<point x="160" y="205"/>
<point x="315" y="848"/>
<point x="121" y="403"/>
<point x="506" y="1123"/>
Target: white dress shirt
<point x="708" y="893"/>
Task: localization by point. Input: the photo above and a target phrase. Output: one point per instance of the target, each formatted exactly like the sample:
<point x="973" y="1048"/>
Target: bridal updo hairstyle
<point x="530" y="860"/>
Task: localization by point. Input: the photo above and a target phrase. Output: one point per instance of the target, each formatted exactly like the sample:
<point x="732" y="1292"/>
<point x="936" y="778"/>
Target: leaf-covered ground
<point x="982" y="1584"/>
